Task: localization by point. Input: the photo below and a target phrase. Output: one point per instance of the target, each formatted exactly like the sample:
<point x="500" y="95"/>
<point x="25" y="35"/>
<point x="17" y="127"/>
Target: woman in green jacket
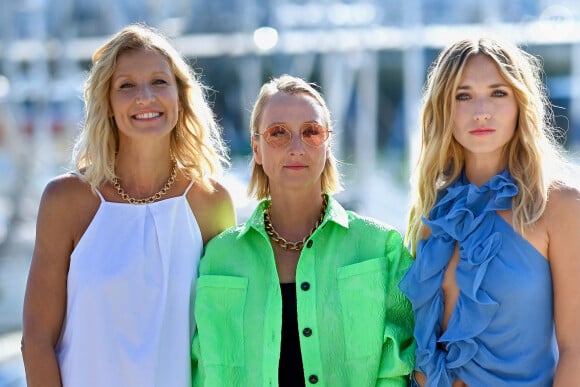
<point x="304" y="292"/>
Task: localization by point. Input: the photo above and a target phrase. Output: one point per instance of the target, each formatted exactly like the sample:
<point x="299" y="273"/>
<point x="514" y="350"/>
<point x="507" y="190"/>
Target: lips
<point x="147" y="115"/>
<point x="481" y="131"/>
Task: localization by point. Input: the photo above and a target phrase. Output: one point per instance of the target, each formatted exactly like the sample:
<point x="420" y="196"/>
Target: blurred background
<point x="370" y="58"/>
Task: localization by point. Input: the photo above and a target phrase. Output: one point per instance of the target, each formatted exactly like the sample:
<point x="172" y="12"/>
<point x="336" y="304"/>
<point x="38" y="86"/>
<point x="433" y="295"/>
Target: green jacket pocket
<point x="219" y="312"/>
<point x="363" y="291"/>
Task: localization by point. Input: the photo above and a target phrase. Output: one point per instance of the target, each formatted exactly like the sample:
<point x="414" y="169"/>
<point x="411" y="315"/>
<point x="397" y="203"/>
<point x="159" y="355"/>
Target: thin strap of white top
<point x="188" y="187"/>
<point x="100" y="195"/>
<point x="96" y="190"/>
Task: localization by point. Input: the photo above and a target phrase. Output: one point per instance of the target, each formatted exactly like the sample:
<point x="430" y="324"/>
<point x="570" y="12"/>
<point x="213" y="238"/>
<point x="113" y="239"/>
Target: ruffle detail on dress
<point x="464" y="213"/>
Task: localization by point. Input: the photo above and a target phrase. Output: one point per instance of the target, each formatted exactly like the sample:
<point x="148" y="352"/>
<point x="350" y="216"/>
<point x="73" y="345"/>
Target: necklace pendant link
<point x="283" y="243"/>
<point x="153" y="198"/>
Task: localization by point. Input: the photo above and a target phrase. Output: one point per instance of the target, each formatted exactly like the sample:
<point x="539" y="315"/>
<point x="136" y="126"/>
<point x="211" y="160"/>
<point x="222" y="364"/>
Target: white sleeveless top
<point x="130" y="282"/>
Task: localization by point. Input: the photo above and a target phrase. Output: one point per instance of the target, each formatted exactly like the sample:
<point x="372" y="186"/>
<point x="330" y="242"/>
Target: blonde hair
<point x="196" y="140"/>
<point x="259" y="186"/>
<point x="529" y="153"/>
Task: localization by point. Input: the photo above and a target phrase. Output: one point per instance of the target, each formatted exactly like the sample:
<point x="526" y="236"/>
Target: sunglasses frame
<point x="328" y="132"/>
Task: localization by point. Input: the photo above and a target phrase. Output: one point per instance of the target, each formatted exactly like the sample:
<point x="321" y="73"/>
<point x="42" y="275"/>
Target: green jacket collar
<point x="334" y="213"/>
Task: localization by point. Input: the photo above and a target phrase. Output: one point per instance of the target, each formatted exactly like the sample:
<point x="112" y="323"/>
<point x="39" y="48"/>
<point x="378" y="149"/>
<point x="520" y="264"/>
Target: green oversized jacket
<point x="361" y="325"/>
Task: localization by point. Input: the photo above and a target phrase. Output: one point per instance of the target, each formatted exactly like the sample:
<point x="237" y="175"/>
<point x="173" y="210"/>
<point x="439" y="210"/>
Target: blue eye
<point x="499" y="93"/>
<point x="462" y="97"/>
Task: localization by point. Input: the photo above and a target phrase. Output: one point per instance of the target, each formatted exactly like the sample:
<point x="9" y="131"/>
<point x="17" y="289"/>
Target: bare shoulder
<point x="69" y="192"/>
<point x="218" y="197"/>
<point x="563" y="205"/>
<point x="65" y="188"/>
<point x="562" y="222"/>
<point x="68" y="204"/>
<point x="214" y="210"/>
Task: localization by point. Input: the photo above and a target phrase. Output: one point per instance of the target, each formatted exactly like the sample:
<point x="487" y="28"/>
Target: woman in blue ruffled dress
<point x="495" y="285"/>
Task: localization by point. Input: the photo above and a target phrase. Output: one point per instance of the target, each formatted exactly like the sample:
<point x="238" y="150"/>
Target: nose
<point x="482" y="116"/>
<point x="482" y="110"/>
<point x="296" y="145"/>
<point x="145" y="95"/>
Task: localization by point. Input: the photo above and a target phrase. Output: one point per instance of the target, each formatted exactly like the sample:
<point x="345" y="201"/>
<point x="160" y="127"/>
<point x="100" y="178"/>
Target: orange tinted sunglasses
<point x="311" y="134"/>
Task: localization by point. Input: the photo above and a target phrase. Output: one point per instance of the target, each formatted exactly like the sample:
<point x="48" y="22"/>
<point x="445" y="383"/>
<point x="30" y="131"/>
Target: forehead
<point x="481" y="68"/>
<point x="141" y="60"/>
<point x="283" y="107"/>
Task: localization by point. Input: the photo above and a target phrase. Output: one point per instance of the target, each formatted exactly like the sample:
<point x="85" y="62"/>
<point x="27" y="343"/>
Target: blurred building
<point x="369" y="56"/>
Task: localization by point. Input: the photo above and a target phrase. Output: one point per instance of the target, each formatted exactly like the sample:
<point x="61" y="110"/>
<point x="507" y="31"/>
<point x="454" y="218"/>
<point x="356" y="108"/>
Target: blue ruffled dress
<point x="501" y="331"/>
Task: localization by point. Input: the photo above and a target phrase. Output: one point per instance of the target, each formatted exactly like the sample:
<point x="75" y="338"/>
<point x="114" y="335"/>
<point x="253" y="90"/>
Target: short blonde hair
<point x="196" y="140"/>
<point x="259" y="186"/>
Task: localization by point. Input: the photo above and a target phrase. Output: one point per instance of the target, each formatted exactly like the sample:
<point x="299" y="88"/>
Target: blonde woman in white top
<point x="118" y="241"/>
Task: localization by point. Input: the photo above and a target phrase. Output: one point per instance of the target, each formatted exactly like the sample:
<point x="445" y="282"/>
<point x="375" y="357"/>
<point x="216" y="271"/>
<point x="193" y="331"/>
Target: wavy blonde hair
<point x="259" y="186"/>
<point x="532" y="150"/>
<point x="196" y="141"/>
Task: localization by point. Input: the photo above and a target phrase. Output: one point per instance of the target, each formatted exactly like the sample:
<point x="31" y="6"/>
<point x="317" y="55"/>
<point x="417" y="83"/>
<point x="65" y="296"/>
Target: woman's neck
<point x="294" y="216"/>
<point x="479" y="170"/>
<point x="143" y="175"/>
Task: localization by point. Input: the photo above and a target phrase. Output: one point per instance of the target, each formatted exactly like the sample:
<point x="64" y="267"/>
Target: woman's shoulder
<point x="67" y="206"/>
<point x="227" y="238"/>
<point x="213" y="208"/>
<point x="369" y="223"/>
<point x="372" y="228"/>
<point x="67" y="189"/>
<point x="213" y="195"/>
<point x="563" y="204"/>
<point x="219" y="192"/>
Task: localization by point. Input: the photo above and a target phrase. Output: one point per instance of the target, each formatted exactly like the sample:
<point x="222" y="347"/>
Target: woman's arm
<point x="45" y="299"/>
<point x="563" y="217"/>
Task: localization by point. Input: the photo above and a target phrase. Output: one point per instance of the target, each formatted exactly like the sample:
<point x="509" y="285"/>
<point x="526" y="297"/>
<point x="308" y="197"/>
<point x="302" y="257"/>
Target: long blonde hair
<point x="530" y="152"/>
<point x="259" y="186"/>
<point x="196" y="140"/>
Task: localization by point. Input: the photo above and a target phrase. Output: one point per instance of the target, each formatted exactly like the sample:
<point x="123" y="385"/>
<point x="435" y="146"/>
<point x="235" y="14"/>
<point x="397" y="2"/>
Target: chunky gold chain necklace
<point x="296" y="246"/>
<point x="152" y="198"/>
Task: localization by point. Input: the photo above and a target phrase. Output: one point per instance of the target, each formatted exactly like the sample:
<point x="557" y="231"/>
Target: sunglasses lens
<point x="314" y="134"/>
<point x="277" y="136"/>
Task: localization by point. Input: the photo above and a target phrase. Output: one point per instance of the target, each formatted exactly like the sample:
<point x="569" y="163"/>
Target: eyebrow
<point x="286" y="124"/>
<point x="153" y="73"/>
<point x="492" y="86"/>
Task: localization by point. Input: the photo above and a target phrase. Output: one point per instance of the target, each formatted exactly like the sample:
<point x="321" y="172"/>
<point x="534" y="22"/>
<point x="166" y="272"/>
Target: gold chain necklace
<point x="152" y="198"/>
<point x="286" y="245"/>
